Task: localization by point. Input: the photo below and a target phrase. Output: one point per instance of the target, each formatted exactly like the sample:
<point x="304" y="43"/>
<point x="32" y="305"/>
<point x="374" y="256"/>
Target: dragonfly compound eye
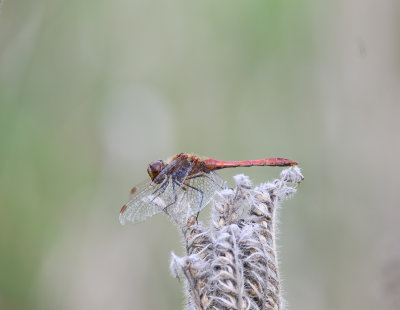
<point x="155" y="168"/>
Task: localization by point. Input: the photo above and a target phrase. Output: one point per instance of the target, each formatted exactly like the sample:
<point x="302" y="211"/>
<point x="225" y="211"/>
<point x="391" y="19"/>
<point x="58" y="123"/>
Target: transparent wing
<point x="142" y="204"/>
<point x="174" y="191"/>
<point x="200" y="188"/>
<point x="140" y="188"/>
<point x="152" y="197"/>
<point x="182" y="200"/>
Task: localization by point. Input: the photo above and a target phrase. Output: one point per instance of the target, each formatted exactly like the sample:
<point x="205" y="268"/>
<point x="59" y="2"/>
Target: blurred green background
<point x="92" y="91"/>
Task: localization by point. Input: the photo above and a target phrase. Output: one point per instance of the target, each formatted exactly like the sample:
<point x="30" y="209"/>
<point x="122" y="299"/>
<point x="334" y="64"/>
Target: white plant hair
<point x="233" y="264"/>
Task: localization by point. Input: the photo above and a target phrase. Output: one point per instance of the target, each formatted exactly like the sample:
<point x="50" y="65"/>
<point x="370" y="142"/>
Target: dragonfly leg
<point x="162" y="188"/>
<point x="174" y="182"/>
<point x="196" y="189"/>
<point x="202" y="197"/>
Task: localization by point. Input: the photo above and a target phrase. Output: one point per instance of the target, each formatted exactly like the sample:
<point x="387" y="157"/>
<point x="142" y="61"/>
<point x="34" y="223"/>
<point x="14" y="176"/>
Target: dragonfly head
<point x="155" y="168"/>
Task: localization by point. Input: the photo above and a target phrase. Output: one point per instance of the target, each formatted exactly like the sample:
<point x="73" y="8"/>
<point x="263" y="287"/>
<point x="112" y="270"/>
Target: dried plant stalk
<point x="233" y="263"/>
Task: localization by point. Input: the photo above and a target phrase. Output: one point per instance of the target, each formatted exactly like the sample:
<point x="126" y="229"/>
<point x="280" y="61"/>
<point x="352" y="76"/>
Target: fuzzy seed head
<point x="232" y="264"/>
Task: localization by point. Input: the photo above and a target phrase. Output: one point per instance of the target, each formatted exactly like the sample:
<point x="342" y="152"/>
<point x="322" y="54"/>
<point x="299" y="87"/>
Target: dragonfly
<point x="183" y="185"/>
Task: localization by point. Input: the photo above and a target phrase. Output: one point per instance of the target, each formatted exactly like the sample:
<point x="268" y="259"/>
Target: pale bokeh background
<point x="92" y="91"/>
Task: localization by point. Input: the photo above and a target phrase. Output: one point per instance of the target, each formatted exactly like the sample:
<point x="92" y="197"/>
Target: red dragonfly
<point x="185" y="184"/>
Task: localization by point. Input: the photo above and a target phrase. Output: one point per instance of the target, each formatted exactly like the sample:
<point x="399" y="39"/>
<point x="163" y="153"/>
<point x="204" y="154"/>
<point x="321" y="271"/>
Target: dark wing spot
<point x="123" y="209"/>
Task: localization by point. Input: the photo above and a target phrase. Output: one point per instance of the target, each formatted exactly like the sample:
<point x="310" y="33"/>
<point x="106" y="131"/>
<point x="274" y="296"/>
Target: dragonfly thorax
<point x="155" y="168"/>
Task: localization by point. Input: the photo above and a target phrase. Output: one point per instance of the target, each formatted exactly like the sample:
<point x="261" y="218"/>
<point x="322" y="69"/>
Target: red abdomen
<point x="213" y="164"/>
